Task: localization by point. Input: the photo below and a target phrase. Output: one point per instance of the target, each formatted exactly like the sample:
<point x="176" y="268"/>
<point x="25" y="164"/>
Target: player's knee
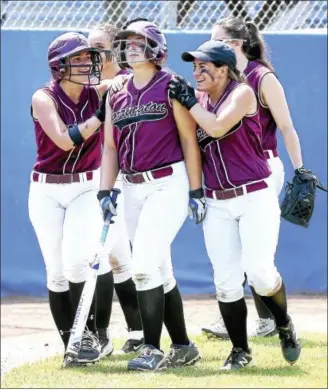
<point x="169" y="284"/>
<point x="146" y="281"/>
<point x="57" y="283"/>
<point x="265" y="285"/>
<point x="104" y="266"/>
<point x="229" y="295"/>
<point x="121" y="273"/>
<point x="76" y="275"/>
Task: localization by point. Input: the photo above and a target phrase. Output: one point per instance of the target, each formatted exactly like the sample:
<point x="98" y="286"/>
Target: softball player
<point x="242" y="224"/>
<point x="63" y="207"/>
<point x="147" y="136"/>
<point x="248" y="46"/>
<point x="101" y="38"/>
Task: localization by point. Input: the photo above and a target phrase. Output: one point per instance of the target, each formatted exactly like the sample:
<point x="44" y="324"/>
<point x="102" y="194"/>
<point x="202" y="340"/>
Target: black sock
<point x="61" y="310"/>
<point x="277" y="304"/>
<point x="262" y="310"/>
<point x="235" y="318"/>
<point x="104" y="291"/>
<point x="127" y="295"/>
<point x="151" y="308"/>
<point x="174" y="317"/>
<point x="75" y="292"/>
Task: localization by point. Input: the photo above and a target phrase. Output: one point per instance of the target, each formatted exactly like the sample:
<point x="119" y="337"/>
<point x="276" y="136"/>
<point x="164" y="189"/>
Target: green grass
<point x="271" y="370"/>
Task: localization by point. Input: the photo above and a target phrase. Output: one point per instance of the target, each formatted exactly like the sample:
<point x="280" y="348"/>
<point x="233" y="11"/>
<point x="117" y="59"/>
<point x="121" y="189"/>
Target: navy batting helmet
<point x="155" y="46"/>
<point x="68" y="45"/>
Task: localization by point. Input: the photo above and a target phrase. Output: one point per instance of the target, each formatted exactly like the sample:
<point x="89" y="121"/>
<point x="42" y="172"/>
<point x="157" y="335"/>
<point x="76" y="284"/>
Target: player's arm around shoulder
<point x="186" y="126"/>
<point x="65" y="137"/>
<point x="113" y="85"/>
<point x="110" y="164"/>
<point x="45" y="112"/>
<point x="242" y="101"/>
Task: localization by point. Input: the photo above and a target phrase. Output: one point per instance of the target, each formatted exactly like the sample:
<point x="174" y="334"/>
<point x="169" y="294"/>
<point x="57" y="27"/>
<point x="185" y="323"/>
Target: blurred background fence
<point x="300" y="61"/>
<point x="272" y="15"/>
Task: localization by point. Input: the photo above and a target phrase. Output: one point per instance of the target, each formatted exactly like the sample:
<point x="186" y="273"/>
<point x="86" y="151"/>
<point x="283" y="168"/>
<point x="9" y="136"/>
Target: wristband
<point x="298" y="170"/>
<point x="197" y="194"/>
<point x="75" y="135"/>
<point x="103" y="194"/>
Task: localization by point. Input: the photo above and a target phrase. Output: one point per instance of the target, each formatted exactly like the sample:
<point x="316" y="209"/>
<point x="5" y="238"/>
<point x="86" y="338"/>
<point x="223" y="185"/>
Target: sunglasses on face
<point x="226" y="40"/>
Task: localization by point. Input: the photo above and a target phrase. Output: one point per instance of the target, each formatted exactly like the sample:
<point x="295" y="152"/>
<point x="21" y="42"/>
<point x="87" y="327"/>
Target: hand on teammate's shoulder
<point x="182" y="91"/>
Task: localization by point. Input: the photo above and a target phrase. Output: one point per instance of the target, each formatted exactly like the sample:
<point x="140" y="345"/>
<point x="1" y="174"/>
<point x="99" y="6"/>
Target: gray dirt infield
<point x="28" y="332"/>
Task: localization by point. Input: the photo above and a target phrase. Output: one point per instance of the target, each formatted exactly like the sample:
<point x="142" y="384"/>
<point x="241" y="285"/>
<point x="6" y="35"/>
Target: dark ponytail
<point x="253" y="46"/>
<point x="238" y="76"/>
<point x="233" y="74"/>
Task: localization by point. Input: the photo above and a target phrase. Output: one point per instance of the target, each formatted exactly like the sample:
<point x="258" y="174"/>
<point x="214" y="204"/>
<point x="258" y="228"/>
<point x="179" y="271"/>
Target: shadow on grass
<point x="272" y="341"/>
<point x="201" y="371"/>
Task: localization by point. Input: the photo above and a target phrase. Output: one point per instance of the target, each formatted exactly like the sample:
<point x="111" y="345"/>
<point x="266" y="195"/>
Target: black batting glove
<point x="197" y="205"/>
<point x="182" y="91"/>
<point x="106" y="203"/>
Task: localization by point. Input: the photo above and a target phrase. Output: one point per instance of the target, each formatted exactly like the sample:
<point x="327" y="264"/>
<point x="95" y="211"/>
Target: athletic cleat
<point x="149" y="359"/>
<point x="90" y="348"/>
<point x="182" y="355"/>
<point x="290" y="344"/>
<point x="133" y="344"/>
<point x="105" y="343"/>
<point x="238" y="359"/>
<point x="218" y="329"/>
<point x="265" y="327"/>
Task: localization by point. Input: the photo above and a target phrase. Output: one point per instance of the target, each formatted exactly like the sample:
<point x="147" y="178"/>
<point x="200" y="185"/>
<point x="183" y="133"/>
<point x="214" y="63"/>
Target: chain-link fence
<point x="186" y="15"/>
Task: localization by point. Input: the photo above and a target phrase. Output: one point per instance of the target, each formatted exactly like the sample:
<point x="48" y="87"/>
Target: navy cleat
<point x="148" y="359"/>
<point x="182" y="355"/>
<point x="290" y="344"/>
<point x="90" y="348"/>
<point x="238" y="359"/>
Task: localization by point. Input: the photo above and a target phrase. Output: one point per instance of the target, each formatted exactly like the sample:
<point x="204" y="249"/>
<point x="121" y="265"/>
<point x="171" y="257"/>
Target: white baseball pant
<point x="155" y="211"/>
<point x="277" y="169"/>
<point x="68" y="222"/>
<point x="241" y="235"/>
<point x="117" y="244"/>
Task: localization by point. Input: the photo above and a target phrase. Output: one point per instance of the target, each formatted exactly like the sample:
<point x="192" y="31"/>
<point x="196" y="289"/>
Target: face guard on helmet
<point x="66" y="46"/>
<point x="155" y="45"/>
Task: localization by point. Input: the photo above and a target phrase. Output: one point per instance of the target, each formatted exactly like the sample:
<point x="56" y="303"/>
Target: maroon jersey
<point x="144" y="127"/>
<point x="255" y="72"/>
<point x="237" y="157"/>
<point x="121" y="72"/>
<point x="87" y="157"/>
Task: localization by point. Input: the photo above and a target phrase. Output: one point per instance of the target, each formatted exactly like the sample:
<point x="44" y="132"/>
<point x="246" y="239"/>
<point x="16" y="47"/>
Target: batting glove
<point x="182" y="91"/>
<point x="107" y="204"/>
<point x="197" y="206"/>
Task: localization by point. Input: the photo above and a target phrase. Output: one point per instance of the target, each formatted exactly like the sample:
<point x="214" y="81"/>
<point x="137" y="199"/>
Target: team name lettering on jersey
<point x="143" y="113"/>
<point x="203" y="138"/>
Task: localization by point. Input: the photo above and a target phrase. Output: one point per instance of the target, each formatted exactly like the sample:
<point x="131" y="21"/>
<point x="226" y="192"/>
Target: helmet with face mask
<point x="66" y="46"/>
<point x="155" y="45"/>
